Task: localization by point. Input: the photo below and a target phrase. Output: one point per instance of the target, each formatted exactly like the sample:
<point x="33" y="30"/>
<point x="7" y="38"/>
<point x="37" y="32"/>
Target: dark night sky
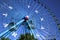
<point x="54" y="5"/>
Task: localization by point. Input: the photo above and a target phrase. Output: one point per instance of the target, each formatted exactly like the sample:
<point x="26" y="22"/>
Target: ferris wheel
<point x="20" y="17"/>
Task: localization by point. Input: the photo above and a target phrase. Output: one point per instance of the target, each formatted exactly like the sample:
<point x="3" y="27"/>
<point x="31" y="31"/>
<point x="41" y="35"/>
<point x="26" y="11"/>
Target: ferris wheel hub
<point x="26" y="17"/>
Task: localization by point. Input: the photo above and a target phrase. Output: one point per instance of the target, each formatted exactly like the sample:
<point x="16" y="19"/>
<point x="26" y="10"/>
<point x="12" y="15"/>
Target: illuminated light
<point x="36" y="11"/>
<point x="26" y="17"/>
<point x="5" y="14"/>
<point x="10" y="7"/>
<point x="42" y="19"/>
<point x="5" y="25"/>
<point x="14" y="34"/>
<point x="37" y="35"/>
<point x="42" y="27"/>
<point x="28" y="6"/>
